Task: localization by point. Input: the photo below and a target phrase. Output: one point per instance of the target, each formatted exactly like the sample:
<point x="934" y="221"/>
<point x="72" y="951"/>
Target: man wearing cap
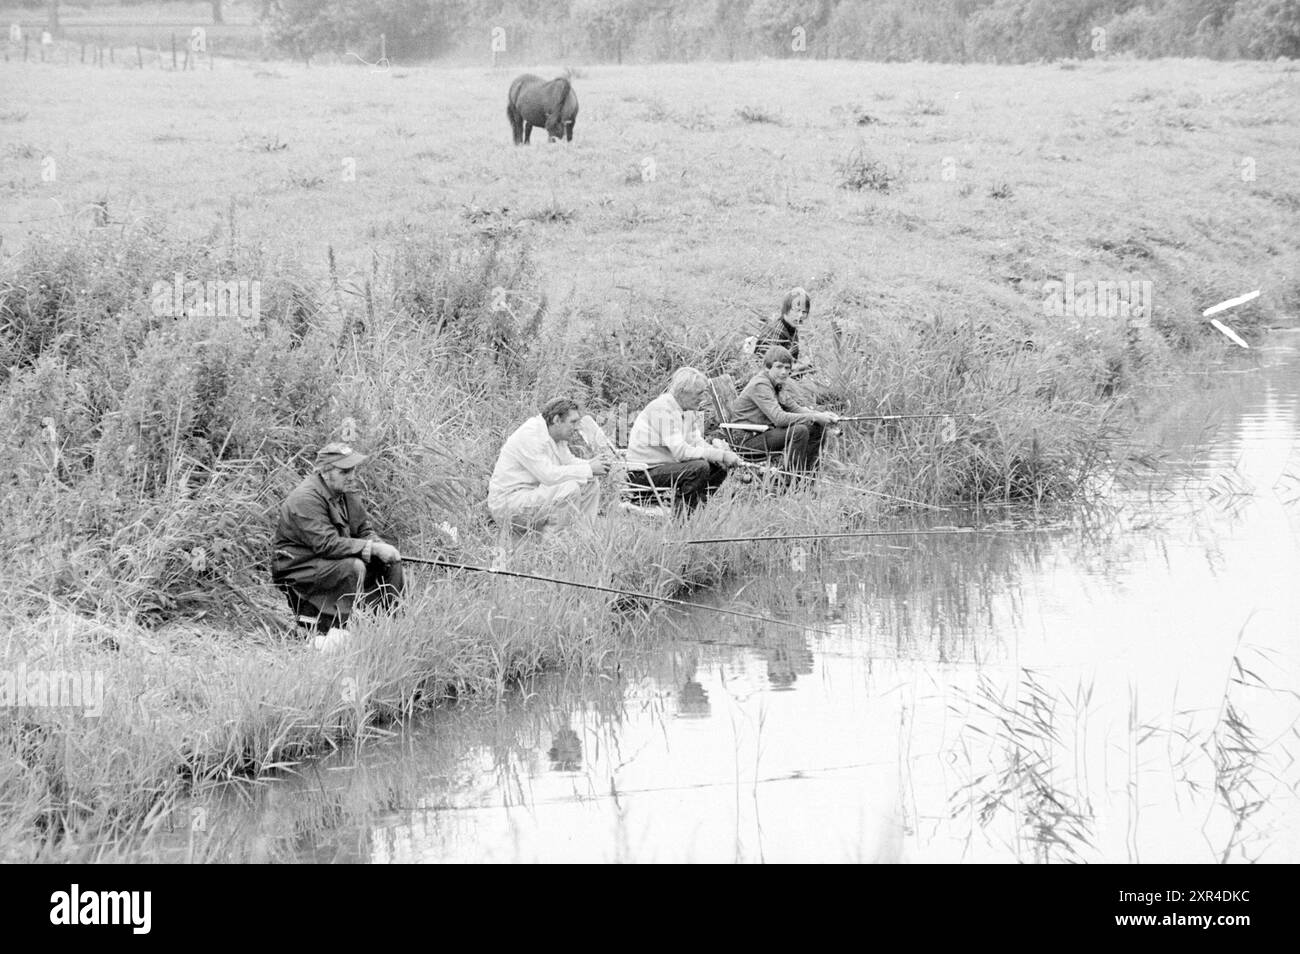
<point x="791" y="427"/>
<point x="326" y="552"/>
<point x="537" y="482"/>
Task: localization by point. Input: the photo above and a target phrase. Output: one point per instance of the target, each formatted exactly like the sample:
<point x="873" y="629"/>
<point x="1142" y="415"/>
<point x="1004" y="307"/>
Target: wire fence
<point x="174" y="51"/>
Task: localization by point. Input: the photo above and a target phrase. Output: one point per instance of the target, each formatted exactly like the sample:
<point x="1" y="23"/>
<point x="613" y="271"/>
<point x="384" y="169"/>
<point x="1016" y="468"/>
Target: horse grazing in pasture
<point x="536" y="102"/>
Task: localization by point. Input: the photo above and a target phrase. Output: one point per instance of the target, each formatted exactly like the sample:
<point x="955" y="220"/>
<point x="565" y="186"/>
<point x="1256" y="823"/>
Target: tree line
<point x="955" y="31"/>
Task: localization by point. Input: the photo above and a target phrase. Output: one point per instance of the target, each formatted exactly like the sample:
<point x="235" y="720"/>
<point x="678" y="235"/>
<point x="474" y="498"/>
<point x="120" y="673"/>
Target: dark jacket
<point x="777" y="332"/>
<point x="315" y="524"/>
<point x="761" y="402"/>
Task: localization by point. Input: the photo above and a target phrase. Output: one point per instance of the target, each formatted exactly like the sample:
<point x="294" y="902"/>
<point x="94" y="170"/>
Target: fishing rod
<point x="769" y="469"/>
<point x="609" y="589"/>
<point x="899" y="417"/>
<point x="863" y="533"/>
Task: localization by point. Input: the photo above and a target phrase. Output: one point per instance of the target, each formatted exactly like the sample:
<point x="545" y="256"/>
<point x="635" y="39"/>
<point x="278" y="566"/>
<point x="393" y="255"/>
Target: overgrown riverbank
<point x="147" y="451"/>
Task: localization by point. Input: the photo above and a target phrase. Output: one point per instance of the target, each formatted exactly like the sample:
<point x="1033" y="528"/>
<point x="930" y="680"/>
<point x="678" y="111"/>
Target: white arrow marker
<point x="1230" y="303"/>
<point x="1232" y="335"/>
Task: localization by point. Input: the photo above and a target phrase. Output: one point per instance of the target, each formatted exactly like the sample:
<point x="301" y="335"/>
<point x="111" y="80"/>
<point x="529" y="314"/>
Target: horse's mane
<point x="564" y="96"/>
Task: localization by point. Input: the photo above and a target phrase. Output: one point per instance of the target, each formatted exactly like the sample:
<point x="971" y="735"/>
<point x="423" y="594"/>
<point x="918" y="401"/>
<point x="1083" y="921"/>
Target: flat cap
<point x="339" y="455"/>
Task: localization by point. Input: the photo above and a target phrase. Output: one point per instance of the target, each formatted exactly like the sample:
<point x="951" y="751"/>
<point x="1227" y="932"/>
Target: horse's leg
<point x="568" y="129"/>
<point x="528" y="132"/>
<point x="516" y="123"/>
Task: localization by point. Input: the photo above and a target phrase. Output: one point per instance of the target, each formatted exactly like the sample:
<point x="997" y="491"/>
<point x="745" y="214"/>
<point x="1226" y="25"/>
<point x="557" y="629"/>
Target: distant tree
<point x="410" y="27"/>
<point x="216" y="12"/>
<point x="729" y="19"/>
<point x="1266" y="28"/>
<point x="773" y="21"/>
<point x="608" y="24"/>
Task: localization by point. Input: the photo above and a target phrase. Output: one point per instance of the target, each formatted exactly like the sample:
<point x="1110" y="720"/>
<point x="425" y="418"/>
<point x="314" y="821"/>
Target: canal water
<point x="1119" y="688"/>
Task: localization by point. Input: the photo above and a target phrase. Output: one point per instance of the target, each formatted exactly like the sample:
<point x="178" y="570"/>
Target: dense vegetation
<point x="889" y="30"/>
<point x="955" y="31"/>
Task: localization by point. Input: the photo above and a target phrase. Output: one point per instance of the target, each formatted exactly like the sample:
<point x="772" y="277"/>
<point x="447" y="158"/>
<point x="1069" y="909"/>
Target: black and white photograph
<point x="651" y="432"/>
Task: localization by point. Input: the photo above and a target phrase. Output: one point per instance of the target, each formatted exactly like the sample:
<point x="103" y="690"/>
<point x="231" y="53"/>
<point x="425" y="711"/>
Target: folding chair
<point x="632" y="497"/>
<point x="723" y="394"/>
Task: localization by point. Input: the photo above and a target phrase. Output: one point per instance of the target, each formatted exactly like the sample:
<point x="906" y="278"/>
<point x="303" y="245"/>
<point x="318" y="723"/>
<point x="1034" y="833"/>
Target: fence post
<point x="26" y="40"/>
<point x="212" y="52"/>
<point x="139" y="57"/>
<point x="383" y="55"/>
<point x="187" y="57"/>
<point x="83" y="52"/>
<point x="173" y="51"/>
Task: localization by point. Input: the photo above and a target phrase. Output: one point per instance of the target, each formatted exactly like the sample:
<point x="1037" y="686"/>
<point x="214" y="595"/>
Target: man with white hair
<point x="537" y="482"/>
<point x="666" y="449"/>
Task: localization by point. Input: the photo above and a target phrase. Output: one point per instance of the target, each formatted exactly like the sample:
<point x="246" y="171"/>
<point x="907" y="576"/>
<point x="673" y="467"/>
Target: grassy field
<point x="1110" y="168"/>
<point x="469" y="278"/>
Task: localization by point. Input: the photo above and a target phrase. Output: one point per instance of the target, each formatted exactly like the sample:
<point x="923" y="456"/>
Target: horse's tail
<point x="512" y="111"/>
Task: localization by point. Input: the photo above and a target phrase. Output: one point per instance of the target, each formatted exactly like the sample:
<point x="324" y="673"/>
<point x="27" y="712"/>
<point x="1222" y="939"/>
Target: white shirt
<point x="664" y="433"/>
<point x="529" y="459"/>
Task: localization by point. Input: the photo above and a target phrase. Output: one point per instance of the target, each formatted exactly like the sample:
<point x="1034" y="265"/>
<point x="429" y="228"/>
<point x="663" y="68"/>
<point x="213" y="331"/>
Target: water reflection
<point x="1111" y="690"/>
<point x="565" y="752"/>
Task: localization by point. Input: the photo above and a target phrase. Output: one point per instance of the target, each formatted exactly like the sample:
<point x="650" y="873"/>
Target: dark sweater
<point x="777" y="332"/>
<point x="761" y="402"/>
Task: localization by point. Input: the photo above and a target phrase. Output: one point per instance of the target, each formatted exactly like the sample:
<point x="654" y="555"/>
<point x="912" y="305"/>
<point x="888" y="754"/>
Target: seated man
<point x="795" y="429"/>
<point x="326" y="552"/>
<point x="537" y="482"/>
<point x="665" y="448"/>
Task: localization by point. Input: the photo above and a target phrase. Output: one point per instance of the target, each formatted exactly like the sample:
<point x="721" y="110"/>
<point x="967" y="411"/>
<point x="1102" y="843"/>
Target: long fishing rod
<point x="862" y="533"/>
<point x="769" y="469"/>
<point x="609" y="589"/>
<point x="899" y="417"/>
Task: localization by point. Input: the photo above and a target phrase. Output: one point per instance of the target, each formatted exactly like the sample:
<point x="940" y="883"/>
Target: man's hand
<point x="385" y="551"/>
<point x="599" y="466"/>
<point x="825" y="419"/>
<point x="730" y="459"/>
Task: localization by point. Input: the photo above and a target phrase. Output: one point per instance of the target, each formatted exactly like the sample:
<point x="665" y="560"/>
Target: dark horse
<point x="536" y="102"/>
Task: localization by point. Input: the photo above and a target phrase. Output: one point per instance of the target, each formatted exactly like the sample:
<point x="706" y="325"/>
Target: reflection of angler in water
<point x="787" y="652"/>
<point x="566" y="751"/>
<point x="692" y="698"/>
<point x="788" y="656"/>
<point x="693" y="701"/>
<point x="816" y="599"/>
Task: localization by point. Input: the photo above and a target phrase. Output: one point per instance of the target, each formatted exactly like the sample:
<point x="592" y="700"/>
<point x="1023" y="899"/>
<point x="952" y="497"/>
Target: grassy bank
<point x="150" y="451"/>
<point x="146" y="451"/>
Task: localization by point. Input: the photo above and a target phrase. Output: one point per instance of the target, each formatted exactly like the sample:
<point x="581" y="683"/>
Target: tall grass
<point x="145" y="455"/>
